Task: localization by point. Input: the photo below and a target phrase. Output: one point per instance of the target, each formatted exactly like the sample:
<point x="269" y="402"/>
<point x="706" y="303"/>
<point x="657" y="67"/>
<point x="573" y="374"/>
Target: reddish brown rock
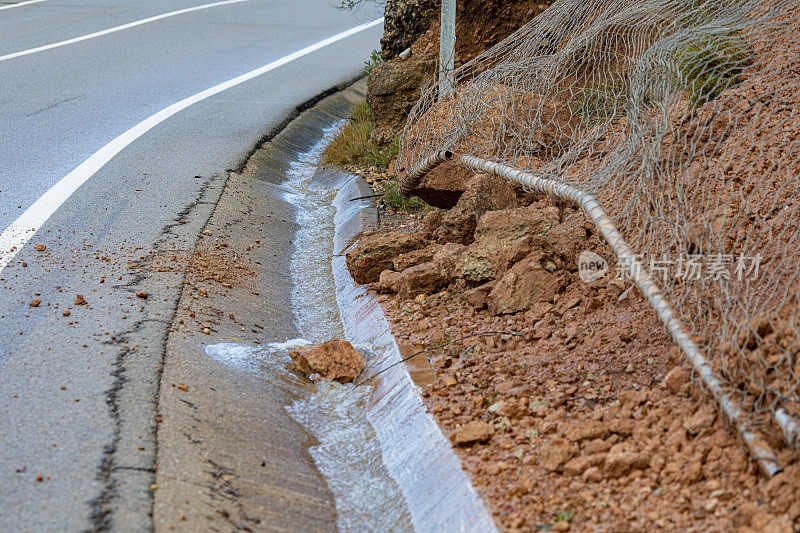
<point x="335" y="360"/>
<point x="415" y="257"/>
<point x="568" y="239"/>
<point x="586" y="430"/>
<point x="473" y="432"/>
<point x="387" y="282"/>
<point x="620" y="463"/>
<point x="374" y="253"/>
<point x="675" y="379"/>
<point x="555" y="454"/>
<point x="421" y="279"/>
<point x="526" y="284"/>
<point x="483" y="193"/>
<point x="478" y="296"/>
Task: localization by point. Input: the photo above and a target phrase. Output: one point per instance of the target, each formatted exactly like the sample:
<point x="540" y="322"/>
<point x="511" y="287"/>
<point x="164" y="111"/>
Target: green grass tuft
<point x="353" y="145"/>
<point x="392" y="198"/>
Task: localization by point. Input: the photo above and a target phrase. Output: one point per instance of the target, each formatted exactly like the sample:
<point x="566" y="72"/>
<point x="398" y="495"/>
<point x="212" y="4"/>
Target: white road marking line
<point x="15" y="236"/>
<point x="20" y="4"/>
<point x="114" y="29"/>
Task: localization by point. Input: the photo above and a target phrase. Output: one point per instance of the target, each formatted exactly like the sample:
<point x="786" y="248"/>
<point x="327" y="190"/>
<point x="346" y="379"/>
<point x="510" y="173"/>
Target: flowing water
<point x="348" y="453"/>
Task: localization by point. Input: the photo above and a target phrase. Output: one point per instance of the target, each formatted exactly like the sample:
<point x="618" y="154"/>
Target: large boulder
<point x="526" y="284"/>
<point x="415" y="257"/>
<point x="375" y="253"/>
<point x="483" y="193"/>
<point x="335" y="360"/>
<point x="392" y="90"/>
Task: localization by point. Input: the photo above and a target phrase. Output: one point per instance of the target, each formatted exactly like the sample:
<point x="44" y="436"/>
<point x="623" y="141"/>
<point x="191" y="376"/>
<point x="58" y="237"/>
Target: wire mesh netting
<point x="681" y="117"/>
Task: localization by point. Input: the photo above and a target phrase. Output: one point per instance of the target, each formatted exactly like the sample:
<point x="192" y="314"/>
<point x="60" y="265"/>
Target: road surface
<point x="119" y="122"/>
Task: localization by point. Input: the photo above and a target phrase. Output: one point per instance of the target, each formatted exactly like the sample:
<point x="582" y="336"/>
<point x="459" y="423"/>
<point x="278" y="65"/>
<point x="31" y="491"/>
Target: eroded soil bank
<point x="565" y="400"/>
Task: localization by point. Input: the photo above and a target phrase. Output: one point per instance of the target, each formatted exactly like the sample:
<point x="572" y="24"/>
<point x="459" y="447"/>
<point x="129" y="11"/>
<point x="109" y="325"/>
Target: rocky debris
<point x="702" y="419"/>
<point x="675" y="379"/>
<point x="35" y="302"/>
<point x="142" y="294"/>
<point x="429" y="224"/>
<point x="80" y="300"/>
<point x="483" y="193"/>
<point x="555" y="454"/>
<point x="618" y="464"/>
<point x="501" y="229"/>
<point x="392" y="90"/>
<point x="524" y="285"/>
<point x="335" y="360"/>
<point x="415" y="257"/>
<point x="40" y="247"/>
<point x="421" y="279"/>
<point x="375" y="253"/>
<point x="449" y="256"/>
<point x="444" y="185"/>
<point x="473" y="432"/>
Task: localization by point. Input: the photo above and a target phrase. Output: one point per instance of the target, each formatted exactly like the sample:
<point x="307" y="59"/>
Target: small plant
<point x="354" y="144"/>
<point x="565" y="516"/>
<point x="711" y="66"/>
<point x="374" y="60"/>
<point x="392" y="198"/>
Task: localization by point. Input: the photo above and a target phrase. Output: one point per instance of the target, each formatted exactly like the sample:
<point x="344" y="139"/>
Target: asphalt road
<point x="78" y="382"/>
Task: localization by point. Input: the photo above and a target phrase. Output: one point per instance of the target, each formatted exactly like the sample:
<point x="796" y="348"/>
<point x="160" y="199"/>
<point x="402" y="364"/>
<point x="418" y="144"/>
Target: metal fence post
<point x="447" y="47"/>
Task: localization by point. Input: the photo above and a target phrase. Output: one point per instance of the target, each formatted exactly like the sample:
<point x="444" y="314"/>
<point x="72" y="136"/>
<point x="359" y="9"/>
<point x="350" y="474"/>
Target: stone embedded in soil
<point x="375" y="253"/>
<point x="620" y="463"/>
<point x="415" y="257"/>
<point x="387" y="282"/>
<point x="478" y="296"/>
<point x="484" y="193"/>
<point x="526" y="284"/>
<point x="421" y="279"/>
<point x="555" y="454"/>
<point x="334" y="360"/>
<point x="675" y="379"/>
<point x="473" y="432"/>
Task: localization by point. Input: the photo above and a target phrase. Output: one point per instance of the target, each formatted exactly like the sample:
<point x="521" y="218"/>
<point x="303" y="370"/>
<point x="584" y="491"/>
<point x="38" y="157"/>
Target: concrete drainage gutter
<point x="439" y="495"/>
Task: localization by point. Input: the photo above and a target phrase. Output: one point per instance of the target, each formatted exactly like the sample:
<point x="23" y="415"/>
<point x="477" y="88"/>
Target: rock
<point x="475" y="268"/>
<point x="387" y="282"/>
<point x="142" y="294"/>
<point x="483" y="193"/>
<point x="586" y="430"/>
<point x="561" y="526"/>
<point x="80" y="300"/>
<point x="35" y="302"/>
<point x="443" y="186"/>
<point x="568" y="239"/>
<point x="415" y="257"/>
<point x="449" y="256"/>
<point x="40" y="247"/>
<point x="421" y="279"/>
<point x="620" y="463"/>
<point x="394" y="87"/>
<point x="555" y="454"/>
<point x="374" y="253"/>
<point x="702" y="419"/>
<point x="478" y="296"/>
<point x="335" y="360"/>
<point x="675" y="379"/>
<point x="526" y="284"/>
<point x="429" y="224"/>
<point x="473" y="432"/>
<point x="578" y="465"/>
<point x="499" y="229"/>
<point x="593" y="474"/>
<point x="404" y="22"/>
<point x="781" y="524"/>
